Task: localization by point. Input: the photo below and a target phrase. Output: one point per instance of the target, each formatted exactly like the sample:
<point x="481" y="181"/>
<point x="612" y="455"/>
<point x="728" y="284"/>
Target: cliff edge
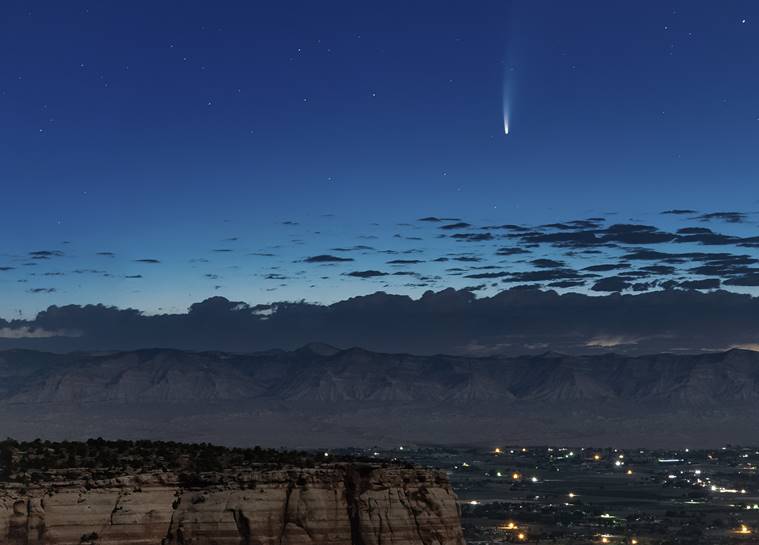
<point x="337" y="504"/>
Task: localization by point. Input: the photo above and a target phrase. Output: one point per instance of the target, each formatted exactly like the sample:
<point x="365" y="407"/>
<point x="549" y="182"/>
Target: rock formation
<point x="338" y="504"/>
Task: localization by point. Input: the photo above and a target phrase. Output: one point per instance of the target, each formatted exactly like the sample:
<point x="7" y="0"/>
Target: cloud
<point x="446" y="321"/>
<point x="566" y="284"/>
<point x="703" y="284"/>
<point x="41" y="290"/>
<point x="488" y="275"/>
<point x="635" y="234"/>
<point x="564" y="254"/>
<point x="473" y="237"/>
<point x="45" y="254"/>
<point x="457" y="225"/>
<point x="613" y="341"/>
<point x="751" y="278"/>
<point x="611" y="283"/>
<point x="694" y="231"/>
<point x="27" y="332"/>
<point x="659" y="269"/>
<point x="604" y="267"/>
<point x="514" y="321"/>
<point x="546" y="263"/>
<point x="324" y="258"/>
<point x="366" y="274"/>
<point x="507" y="251"/>
<point x="729" y="217"/>
<point x="478" y="287"/>
<point x="546" y="275"/>
<point x="708" y="239"/>
<point x="355" y="248"/>
<point x="586" y="235"/>
<point x="680" y="211"/>
<point x="754" y="347"/>
<point x="578" y="239"/>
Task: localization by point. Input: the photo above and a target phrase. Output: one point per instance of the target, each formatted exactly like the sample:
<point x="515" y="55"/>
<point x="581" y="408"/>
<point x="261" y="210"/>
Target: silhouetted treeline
<point x="31" y="460"/>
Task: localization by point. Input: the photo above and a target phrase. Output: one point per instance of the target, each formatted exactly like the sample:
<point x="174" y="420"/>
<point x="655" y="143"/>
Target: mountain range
<point x="320" y="395"/>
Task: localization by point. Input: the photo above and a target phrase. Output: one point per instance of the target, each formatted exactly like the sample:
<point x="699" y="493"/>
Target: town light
<point x="744" y="530"/>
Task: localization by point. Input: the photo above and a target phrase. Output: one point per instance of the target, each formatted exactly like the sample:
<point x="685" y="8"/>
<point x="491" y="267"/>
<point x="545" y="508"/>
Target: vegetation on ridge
<point x="32" y="461"/>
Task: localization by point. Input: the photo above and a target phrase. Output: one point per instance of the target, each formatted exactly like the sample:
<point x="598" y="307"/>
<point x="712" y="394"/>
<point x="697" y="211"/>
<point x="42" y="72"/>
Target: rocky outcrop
<point x="339" y="504"/>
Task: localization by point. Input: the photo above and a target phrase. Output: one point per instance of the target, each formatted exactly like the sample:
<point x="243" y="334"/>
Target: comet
<point x="506" y="109"/>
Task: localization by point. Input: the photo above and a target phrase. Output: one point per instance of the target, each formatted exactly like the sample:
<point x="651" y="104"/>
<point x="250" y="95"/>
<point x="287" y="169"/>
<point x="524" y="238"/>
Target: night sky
<point x="154" y="154"/>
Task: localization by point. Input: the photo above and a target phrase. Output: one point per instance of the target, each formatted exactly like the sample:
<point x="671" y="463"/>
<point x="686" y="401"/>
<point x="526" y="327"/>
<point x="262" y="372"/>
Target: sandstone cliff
<point x="338" y="504"/>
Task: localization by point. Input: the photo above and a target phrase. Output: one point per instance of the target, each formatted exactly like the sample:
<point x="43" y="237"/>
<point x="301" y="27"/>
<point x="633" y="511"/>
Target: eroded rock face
<point x="341" y="504"/>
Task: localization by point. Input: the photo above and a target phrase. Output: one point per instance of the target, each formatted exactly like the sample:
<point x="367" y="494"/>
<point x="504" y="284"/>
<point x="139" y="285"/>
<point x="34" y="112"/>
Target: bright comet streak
<point x="506" y="110"/>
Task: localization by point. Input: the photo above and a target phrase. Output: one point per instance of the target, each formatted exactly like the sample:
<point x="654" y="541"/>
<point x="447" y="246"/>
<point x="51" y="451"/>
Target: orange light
<point x="629" y="471"/>
<point x="604" y="539"/>
<point x="596" y="457"/>
<point x="497" y="450"/>
<point x="633" y="541"/>
<point x="515" y="476"/>
<point x="521" y="536"/>
<point x="744" y="530"/>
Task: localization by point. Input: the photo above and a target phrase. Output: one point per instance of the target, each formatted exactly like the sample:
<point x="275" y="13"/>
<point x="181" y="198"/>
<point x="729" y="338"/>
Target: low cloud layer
<point x="516" y="321"/>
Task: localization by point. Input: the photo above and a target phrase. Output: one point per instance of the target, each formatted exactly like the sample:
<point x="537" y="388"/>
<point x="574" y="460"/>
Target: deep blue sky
<point x="156" y="130"/>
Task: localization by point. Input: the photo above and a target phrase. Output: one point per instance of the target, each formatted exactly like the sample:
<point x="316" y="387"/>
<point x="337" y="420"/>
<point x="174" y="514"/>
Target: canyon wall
<point x="338" y="504"/>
